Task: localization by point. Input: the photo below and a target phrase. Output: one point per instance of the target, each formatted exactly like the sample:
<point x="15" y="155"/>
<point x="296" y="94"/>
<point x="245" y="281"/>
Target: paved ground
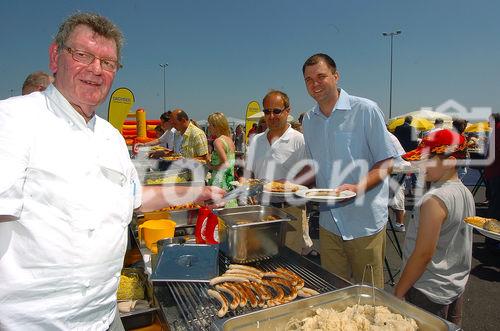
<point x="482" y="296"/>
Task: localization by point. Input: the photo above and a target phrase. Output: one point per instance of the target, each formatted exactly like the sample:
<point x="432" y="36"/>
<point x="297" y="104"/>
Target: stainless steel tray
<point x="276" y="318"/>
<point x="246" y="234"/>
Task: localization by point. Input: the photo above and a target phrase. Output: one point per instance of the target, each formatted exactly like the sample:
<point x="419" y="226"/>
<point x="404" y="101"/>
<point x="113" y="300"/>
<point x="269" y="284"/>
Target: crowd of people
<point x="65" y="203"/>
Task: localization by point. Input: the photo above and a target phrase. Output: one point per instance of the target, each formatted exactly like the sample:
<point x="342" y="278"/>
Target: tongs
<point x="249" y="189"/>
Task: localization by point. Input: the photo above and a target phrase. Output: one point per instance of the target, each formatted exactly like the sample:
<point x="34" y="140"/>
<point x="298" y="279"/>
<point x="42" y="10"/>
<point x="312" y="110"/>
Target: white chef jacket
<point x="276" y="161"/>
<point x="72" y="187"/>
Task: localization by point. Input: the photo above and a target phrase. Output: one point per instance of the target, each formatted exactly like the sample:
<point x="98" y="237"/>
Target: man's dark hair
<point x="438" y="121"/>
<point x="165" y="117"/>
<point x="408" y="119"/>
<point x="181" y="115"/>
<point x="459" y="124"/>
<point x="316" y="58"/>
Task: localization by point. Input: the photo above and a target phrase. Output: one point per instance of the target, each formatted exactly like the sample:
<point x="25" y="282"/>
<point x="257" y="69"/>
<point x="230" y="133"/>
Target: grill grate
<point x="199" y="311"/>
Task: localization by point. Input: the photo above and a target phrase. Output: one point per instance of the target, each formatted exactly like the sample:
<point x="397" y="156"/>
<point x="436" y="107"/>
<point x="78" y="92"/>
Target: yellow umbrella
<point x="418" y="123"/>
<point x="478" y="127"/>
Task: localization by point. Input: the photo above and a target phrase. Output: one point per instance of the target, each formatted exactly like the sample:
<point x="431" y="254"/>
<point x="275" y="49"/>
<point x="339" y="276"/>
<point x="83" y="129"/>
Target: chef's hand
<point x="212" y="194"/>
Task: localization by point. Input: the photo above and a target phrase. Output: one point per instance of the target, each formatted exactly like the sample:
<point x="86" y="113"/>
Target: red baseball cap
<point x="441" y="142"/>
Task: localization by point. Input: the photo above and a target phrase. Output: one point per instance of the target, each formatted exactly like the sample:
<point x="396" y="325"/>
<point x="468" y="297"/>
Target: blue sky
<point x="223" y="54"/>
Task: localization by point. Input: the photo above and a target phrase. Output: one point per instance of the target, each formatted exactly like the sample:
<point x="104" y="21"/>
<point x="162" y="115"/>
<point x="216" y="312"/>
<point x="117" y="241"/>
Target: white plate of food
<point x="325" y="195"/>
<point x="485" y="226"/>
<point x="486" y="233"/>
<point x="282" y="188"/>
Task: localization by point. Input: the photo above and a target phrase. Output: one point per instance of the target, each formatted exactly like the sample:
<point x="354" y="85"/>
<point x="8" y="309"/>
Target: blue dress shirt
<point x="345" y="146"/>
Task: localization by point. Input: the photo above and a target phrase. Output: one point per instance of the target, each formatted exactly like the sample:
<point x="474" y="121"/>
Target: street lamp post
<point x="391" y="34"/>
<point x="164" y="66"/>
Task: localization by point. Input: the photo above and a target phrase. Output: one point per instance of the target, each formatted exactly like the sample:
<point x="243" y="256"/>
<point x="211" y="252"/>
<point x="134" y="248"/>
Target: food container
<point x="251" y="233"/>
<point x="144" y="316"/>
<point x="276" y="318"/>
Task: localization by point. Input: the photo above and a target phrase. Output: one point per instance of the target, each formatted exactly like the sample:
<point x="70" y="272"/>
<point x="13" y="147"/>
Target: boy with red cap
<point x="438" y="245"/>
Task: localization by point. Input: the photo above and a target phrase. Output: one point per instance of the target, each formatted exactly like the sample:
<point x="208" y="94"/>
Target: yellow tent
<point x="418" y="123"/>
<point x="478" y="127"/>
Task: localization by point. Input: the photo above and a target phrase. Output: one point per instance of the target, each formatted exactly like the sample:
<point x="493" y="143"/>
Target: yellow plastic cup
<point x="153" y="230"/>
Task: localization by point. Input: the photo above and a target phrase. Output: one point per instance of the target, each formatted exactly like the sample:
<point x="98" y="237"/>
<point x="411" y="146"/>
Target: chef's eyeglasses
<point x="87" y="58"/>
<point x="275" y="111"/>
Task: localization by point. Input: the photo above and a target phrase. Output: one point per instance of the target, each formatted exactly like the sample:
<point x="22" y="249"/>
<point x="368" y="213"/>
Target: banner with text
<point x="120" y="103"/>
<point x="252" y="109"/>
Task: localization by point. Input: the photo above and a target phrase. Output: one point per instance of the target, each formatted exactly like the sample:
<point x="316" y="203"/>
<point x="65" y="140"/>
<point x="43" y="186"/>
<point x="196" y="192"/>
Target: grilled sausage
<point x="306" y="292"/>
<point x="292" y="290"/>
<point x="262" y="291"/>
<point x="248" y="277"/>
<point x="241" y="294"/>
<point x="249" y="294"/>
<point x="299" y="280"/>
<point x="222" y="300"/>
<point x="241" y="272"/>
<point x="274" y="274"/>
<point x="234" y="295"/>
<point x="278" y="290"/>
<point x="227" y="278"/>
<point x="247" y="268"/>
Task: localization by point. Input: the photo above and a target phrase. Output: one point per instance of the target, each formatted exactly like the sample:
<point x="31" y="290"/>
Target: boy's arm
<point x="432" y="216"/>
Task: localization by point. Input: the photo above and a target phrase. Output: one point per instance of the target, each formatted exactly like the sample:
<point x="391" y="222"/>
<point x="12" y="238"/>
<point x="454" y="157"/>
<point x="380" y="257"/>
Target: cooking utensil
<point x="153" y="230"/>
<point x="248" y="189"/>
<point x="251" y="233"/>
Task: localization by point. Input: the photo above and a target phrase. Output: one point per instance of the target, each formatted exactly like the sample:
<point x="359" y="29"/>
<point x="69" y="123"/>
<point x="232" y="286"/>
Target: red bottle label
<point x="201" y="221"/>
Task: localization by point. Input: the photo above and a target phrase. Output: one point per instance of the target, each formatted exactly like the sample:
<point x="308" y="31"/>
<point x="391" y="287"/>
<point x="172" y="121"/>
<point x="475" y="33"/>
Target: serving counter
<point x="186" y="304"/>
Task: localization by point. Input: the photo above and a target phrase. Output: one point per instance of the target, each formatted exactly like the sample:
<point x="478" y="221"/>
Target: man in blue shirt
<point x="347" y="137"/>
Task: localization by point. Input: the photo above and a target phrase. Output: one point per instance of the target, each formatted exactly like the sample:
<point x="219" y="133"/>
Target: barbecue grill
<point x="187" y="306"/>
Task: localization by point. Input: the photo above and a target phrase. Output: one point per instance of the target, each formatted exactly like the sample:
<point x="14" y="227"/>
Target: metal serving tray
<point x="245" y="235"/>
<point x="187" y="263"/>
<point x="276" y="318"/>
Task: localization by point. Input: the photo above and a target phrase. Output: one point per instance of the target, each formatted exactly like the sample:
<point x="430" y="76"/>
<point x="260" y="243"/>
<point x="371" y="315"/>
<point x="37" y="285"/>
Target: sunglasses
<point x="275" y="111"/>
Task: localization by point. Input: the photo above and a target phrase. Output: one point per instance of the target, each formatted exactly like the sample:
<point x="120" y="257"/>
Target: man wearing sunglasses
<point x="275" y="154"/>
<point x="346" y="136"/>
<point x="68" y="189"/>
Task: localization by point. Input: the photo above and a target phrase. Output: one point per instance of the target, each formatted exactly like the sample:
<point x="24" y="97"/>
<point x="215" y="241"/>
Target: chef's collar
<point x="62" y="108"/>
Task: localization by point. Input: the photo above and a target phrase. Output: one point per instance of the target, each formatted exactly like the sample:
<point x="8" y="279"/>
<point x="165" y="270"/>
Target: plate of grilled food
<point x="325" y="195"/>
<point x="488" y="227"/>
<point x="282" y="188"/>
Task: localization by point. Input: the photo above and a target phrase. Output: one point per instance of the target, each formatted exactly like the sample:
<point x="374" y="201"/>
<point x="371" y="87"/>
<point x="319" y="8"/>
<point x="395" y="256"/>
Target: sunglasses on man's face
<point x="275" y="111"/>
